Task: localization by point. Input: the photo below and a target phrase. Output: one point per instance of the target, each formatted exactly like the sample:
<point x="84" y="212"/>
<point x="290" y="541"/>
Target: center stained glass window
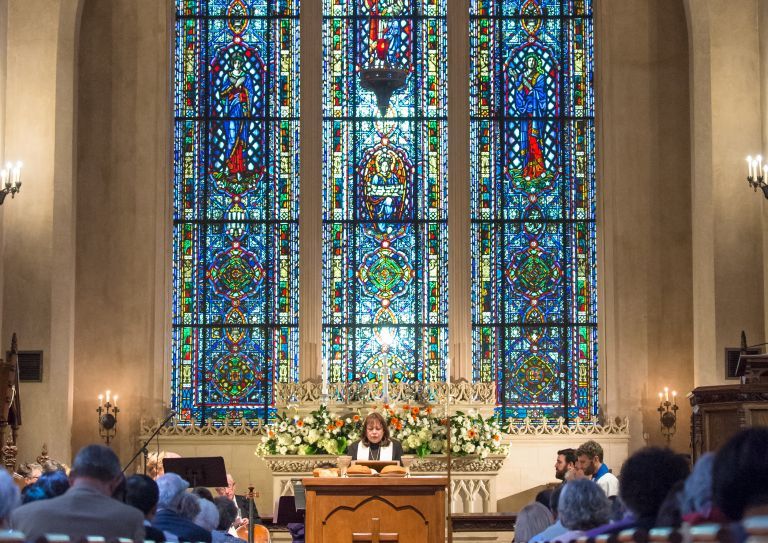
<point x="385" y="260"/>
<point x="235" y="238"/>
<point x="533" y="206"/>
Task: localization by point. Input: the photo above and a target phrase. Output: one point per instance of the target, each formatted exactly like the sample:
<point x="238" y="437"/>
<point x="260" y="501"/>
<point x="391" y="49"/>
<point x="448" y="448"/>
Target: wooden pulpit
<point x="373" y="509"/>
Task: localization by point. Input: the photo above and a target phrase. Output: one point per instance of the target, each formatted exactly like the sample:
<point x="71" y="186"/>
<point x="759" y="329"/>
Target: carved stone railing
<point x="356" y="394"/>
<point x="528" y="427"/>
<point x="473" y="479"/>
<point x="558" y="427"/>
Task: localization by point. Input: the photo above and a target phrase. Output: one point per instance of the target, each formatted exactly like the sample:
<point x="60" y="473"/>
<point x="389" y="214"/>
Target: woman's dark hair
<point x="740" y="473"/>
<point x="369" y="420"/>
<point x="203" y="493"/>
<point x="647" y="477"/>
<point x="54" y="483"/>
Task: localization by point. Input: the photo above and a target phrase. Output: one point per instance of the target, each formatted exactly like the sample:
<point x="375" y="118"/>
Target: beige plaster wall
<point x="657" y="300"/>
<point x="123" y="214"/>
<point x="763" y="78"/>
<point x="644" y="211"/>
<point x="728" y="274"/>
<point x="38" y="257"/>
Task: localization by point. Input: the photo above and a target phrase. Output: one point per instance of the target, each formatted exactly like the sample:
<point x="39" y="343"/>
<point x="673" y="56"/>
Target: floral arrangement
<point x="317" y="433"/>
<point x="419" y="429"/>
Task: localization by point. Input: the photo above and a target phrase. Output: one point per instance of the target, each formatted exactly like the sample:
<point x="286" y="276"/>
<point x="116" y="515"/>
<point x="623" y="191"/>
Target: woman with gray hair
<point x="9" y="498"/>
<point x="583" y="505"/>
<point x="531" y="520"/>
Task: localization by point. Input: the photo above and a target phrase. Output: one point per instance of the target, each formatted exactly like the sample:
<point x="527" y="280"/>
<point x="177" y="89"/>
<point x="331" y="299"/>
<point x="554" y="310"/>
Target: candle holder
<point x="107" y="412"/>
<point x="10" y="181"/>
<point x="757" y="173"/>
<point x="667" y="414"/>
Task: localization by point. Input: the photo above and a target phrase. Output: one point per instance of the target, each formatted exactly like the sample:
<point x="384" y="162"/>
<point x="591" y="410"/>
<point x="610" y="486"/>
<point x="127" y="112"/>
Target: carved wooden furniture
<point x="719" y="412"/>
<point x="342" y="510"/>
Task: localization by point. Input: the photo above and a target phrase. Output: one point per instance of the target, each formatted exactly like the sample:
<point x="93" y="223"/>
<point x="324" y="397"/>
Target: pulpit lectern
<point x="721" y="411"/>
<point x="367" y="509"/>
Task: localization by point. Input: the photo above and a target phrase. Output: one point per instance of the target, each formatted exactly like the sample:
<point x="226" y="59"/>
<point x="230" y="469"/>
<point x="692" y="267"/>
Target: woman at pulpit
<point x="375" y="443"/>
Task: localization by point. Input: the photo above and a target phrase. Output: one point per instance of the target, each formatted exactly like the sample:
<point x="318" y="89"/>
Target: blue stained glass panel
<point x="385" y="290"/>
<point x="533" y="206"/>
<point x="235" y="242"/>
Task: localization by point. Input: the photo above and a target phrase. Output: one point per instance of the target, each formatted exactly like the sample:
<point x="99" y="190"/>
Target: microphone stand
<point x="143" y="449"/>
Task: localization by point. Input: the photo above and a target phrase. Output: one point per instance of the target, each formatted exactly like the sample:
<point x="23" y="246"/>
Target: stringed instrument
<point x="250" y="532"/>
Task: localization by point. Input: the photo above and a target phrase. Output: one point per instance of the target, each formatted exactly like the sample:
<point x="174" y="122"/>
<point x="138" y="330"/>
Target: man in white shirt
<point x="590" y="460"/>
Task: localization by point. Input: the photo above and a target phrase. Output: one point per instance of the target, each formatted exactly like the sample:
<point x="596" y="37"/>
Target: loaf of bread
<point x="325" y="472"/>
<point x="357" y="469"/>
<point x="394" y="470"/>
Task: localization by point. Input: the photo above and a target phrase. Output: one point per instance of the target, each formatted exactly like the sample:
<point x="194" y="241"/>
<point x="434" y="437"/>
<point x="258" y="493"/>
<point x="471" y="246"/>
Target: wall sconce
<point x="10" y="180"/>
<point x="107" y="417"/>
<point x="757" y="174"/>
<point x="668" y="413"/>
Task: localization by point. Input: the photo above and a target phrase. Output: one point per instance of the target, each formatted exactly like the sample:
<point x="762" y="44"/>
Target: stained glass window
<point x="235" y="237"/>
<point x="385" y="286"/>
<point x="533" y="205"/>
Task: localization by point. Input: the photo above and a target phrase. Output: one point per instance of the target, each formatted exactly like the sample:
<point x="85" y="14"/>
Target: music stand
<point x="200" y="471"/>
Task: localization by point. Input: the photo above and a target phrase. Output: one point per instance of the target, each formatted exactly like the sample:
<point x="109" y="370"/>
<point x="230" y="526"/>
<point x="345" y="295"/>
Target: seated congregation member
<point x="87" y="508"/>
<point x="141" y="492"/>
<point x="155" y="466"/>
<point x="531" y="520"/>
<point x="582" y="506"/>
<point x="557" y="528"/>
<point x="241" y="503"/>
<point x="645" y="481"/>
<point x="590" y="459"/>
<point x="740" y="475"/>
<point x="696" y="505"/>
<point x="227" y="515"/>
<point x="375" y="443"/>
<point x="208" y="517"/>
<point x="171" y="503"/>
<point x="565" y="463"/>
<point x="9" y="498"/>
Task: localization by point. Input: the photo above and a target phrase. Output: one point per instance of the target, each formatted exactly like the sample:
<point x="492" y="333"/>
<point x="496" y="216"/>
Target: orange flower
<point x="471" y="434"/>
<point x="356" y="418"/>
<point x="496" y="437"/>
<point x="386" y="406"/>
<point x="415" y="411"/>
<point x="406" y="407"/>
<point x="330" y="427"/>
<point x="428" y="410"/>
<point x="339" y="423"/>
<point x="271" y="434"/>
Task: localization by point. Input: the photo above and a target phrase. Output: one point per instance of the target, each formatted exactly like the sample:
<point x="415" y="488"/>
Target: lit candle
<point x="759" y="167"/>
<point x="765" y="171"/>
<point x="114" y="401"/>
<point x="101" y="399"/>
<point x="17" y="174"/>
<point x="666" y="394"/>
<point x="750" y="167"/>
<point x="108" y="394"/>
<point x="674" y="397"/>
<point x="324" y="373"/>
<point x="5" y="177"/>
<point x="661" y="396"/>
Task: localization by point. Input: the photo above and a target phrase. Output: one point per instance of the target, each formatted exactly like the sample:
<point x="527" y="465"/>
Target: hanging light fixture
<point x="381" y="78"/>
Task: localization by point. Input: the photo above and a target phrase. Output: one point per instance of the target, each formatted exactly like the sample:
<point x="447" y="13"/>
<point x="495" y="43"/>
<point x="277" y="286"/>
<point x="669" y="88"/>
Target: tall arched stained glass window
<point x="235" y="239"/>
<point x="533" y="205"/>
<point x="385" y="292"/>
